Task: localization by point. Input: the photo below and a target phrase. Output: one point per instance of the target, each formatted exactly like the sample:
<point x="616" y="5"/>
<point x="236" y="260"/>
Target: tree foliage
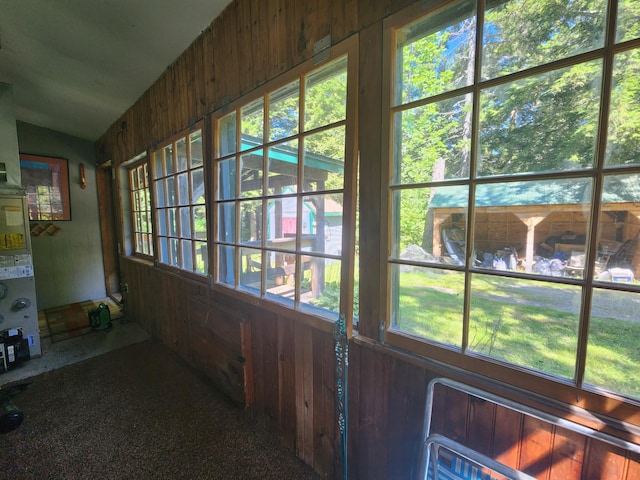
<point x="531" y="118"/>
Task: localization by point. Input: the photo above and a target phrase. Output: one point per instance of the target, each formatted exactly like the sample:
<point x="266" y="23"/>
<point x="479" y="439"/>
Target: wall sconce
<point x="83" y="179"/>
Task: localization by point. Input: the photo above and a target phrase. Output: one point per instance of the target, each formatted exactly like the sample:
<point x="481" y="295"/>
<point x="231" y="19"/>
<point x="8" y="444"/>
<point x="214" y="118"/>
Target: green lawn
<point x="528" y="323"/>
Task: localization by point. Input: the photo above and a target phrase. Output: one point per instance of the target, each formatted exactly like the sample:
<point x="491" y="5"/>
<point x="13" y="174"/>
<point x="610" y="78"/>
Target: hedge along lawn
<point x="528" y="323"/>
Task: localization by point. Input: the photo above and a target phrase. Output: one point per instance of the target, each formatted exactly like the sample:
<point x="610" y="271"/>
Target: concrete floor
<point x="73" y="350"/>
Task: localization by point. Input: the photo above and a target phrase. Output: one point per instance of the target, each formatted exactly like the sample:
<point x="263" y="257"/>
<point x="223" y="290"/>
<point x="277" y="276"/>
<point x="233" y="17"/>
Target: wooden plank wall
<point x="211" y="336"/>
<point x="536" y="447"/>
<point x="281" y="370"/>
<point x="220" y="342"/>
<point x="290" y="390"/>
<point x="387" y="412"/>
<point x="251" y="42"/>
<point x="287" y="367"/>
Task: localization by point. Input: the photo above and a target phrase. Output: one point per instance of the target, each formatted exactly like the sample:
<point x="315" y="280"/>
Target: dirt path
<point x="606" y="303"/>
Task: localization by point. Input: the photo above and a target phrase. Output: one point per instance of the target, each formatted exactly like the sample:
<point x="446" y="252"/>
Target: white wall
<point x="8" y="136"/>
<point x="68" y="266"/>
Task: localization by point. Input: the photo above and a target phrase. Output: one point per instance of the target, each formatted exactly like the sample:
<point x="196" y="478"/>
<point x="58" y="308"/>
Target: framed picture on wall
<point x="46" y="181"/>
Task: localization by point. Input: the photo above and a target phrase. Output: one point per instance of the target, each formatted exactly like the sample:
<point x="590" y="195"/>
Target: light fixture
<point x="83" y="179"/>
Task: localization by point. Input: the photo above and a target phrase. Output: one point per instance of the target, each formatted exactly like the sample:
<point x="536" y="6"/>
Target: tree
<point x="537" y="123"/>
<point x="544" y="122"/>
<point x="435" y="136"/>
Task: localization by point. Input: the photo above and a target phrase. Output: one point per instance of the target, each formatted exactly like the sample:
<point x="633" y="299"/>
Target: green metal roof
<point x="617" y="189"/>
<point x="287" y="154"/>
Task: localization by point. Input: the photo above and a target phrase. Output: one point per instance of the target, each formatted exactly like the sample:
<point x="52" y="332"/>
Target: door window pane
<point x="613" y="357"/>
<point x="252" y="124"/>
<point x="623" y="141"/>
<point x="618" y="258"/>
<point x="433" y="141"/>
<point x="227" y="134"/>
<point x="429" y="224"/>
<point x="282" y="167"/>
<point x="323" y="162"/>
<point x="436" y="54"/>
<point x="282" y="221"/>
<point x="628" y="25"/>
<point x="543" y="123"/>
<point x="519" y="34"/>
<point x="325" y="100"/>
<point x="525" y="322"/>
<point x="414" y="289"/>
<point x="284" y="111"/>
<point x="251" y="270"/>
<point x="251" y="171"/>
<point x="320" y="285"/>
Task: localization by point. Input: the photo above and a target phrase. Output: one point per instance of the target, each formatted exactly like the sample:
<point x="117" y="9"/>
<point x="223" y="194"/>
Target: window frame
<point x="570" y="391"/>
<point x="348" y="48"/>
<point x="160" y="148"/>
<point x="137" y="164"/>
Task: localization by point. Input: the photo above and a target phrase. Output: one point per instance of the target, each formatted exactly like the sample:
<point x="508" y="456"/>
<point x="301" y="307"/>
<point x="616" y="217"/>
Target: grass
<point x="528" y="323"/>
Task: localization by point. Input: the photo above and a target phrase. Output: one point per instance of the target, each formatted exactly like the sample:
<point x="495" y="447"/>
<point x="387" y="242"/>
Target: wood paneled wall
<point x="536" y="447"/>
<point x="283" y="369"/>
<point x="250" y="43"/>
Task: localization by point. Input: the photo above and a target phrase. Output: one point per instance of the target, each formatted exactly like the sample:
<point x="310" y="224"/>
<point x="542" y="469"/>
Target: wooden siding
<point x="281" y="368"/>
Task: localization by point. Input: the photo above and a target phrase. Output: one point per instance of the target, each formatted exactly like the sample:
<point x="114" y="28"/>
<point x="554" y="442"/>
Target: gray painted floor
<point x="67" y="352"/>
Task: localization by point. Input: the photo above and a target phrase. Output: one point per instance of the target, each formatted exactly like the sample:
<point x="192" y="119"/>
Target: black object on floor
<point x="11" y="416"/>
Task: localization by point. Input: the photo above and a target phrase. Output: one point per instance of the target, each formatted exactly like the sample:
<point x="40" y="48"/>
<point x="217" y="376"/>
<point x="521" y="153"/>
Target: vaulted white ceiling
<point x="77" y="65"/>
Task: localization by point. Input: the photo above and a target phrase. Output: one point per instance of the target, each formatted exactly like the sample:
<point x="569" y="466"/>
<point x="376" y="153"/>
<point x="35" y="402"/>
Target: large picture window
<point x="181" y="214"/>
<point x="514" y="192"/>
<point x="283" y="162"/>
